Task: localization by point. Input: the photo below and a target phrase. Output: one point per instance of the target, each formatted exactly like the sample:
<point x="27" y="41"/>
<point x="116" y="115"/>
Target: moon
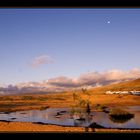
<point x="108" y="22"/>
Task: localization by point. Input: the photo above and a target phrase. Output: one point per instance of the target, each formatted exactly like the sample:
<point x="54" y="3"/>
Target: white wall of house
<point x="123" y="92"/>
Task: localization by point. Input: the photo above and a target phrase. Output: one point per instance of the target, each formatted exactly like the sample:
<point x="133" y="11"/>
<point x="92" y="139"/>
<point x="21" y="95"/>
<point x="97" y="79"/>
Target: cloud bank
<point x="63" y="83"/>
<point x="93" y="79"/>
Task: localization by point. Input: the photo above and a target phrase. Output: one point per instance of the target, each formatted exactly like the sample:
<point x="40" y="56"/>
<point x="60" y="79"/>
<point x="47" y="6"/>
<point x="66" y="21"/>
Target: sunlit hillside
<point x="123" y="86"/>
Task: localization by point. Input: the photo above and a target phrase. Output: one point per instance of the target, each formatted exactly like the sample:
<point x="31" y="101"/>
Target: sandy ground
<point x="14" y="127"/>
<point x="31" y="127"/>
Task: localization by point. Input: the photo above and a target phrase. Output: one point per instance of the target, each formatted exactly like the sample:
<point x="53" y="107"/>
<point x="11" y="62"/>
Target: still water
<point x="61" y="116"/>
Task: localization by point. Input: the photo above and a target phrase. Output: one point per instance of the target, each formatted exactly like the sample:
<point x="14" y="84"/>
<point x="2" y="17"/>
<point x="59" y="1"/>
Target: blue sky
<point x="39" y="44"/>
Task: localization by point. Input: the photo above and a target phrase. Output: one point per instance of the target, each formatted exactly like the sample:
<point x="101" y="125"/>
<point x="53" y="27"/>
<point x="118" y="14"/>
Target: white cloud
<point x="40" y="60"/>
<point x="93" y="79"/>
<point x="122" y="75"/>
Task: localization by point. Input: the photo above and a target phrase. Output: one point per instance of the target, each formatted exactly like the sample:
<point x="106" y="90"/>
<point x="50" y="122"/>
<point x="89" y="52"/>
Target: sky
<point x="40" y="44"/>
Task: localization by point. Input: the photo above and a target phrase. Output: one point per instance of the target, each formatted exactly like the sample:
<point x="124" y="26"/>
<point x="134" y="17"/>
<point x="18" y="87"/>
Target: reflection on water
<point x="122" y="120"/>
<point x="61" y="116"/>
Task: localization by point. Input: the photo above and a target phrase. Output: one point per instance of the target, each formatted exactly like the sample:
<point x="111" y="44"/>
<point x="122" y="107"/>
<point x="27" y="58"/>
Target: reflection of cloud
<point x="40" y="60"/>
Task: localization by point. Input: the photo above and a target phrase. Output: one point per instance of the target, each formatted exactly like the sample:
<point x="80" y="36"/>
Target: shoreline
<point x="28" y="127"/>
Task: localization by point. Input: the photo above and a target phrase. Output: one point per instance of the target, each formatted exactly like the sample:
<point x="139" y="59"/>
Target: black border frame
<point x="70" y="4"/>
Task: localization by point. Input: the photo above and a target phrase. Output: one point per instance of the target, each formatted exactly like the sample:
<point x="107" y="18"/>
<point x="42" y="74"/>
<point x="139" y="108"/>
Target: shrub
<point x="101" y="107"/>
<point x="119" y="120"/>
<point x="44" y="107"/>
<point x="42" y="98"/>
<point x="120" y="115"/>
<point x="6" y="99"/>
<point x="82" y="104"/>
<point x="27" y="98"/>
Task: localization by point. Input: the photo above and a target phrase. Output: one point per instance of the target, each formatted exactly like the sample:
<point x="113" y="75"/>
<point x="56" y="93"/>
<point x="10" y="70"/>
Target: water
<point x="61" y="116"/>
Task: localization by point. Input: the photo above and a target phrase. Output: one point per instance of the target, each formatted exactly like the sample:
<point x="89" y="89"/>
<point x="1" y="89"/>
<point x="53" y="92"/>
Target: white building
<point x="123" y="92"/>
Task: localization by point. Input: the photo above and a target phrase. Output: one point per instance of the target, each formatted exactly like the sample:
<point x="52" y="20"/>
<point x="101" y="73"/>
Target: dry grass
<point x="39" y="101"/>
<point x="123" y="86"/>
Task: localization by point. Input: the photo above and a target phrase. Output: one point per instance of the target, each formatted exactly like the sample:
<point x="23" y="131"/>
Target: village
<point x="123" y="92"/>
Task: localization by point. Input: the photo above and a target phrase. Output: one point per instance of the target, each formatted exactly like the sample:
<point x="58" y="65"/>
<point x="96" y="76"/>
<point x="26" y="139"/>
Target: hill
<point x="122" y="86"/>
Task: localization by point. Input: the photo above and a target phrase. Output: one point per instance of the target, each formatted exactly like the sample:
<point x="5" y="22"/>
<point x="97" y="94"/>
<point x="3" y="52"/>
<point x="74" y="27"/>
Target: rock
<point x="13" y="118"/>
<point x="95" y="125"/>
<point x="81" y="119"/>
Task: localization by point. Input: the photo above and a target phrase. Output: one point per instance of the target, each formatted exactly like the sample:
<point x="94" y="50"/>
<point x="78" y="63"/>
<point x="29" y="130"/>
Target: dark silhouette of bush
<point x="120" y="116"/>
